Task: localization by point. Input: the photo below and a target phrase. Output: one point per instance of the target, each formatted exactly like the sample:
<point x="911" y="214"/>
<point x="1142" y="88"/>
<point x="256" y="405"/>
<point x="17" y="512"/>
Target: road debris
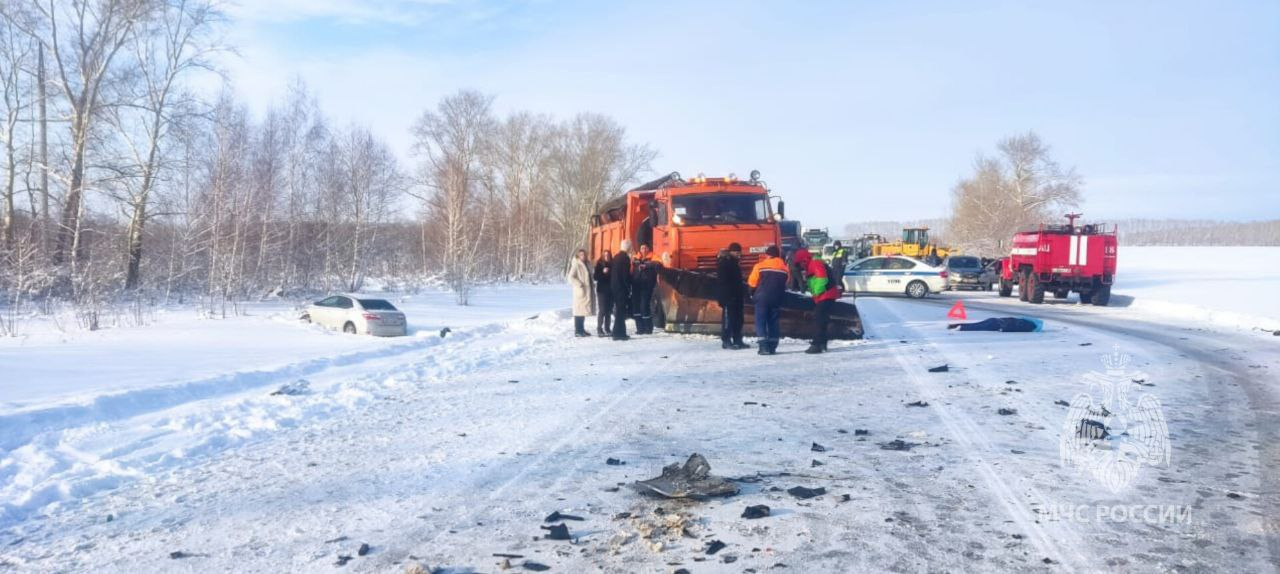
<point x="755" y="511"/>
<point x="692" y="480"/>
<point x="557" y="532"/>
<point x="898" y="444"/>
<point x="558" y="517"/>
<point x="293" y="389"/>
<point x="715" y="546"/>
<point x="614" y="462"/>
<point x="818" y="448"/>
<point x="805" y="493"/>
<point x="1007" y="412"/>
<point x="939" y="369"/>
<point x="918" y="404"/>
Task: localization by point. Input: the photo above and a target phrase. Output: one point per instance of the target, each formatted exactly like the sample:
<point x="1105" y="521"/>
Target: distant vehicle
<point x="791" y="241"/>
<point x="1060" y="259"/>
<point x="894" y="274"/>
<point x="966" y="272"/>
<point x="354" y="314"/>
<point x="814" y="239"/>
<point x="915" y="243"/>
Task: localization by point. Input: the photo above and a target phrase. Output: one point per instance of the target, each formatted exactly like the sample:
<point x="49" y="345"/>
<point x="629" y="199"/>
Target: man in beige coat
<point x="579" y="276"/>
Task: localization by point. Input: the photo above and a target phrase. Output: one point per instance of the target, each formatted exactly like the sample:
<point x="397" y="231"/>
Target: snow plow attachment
<point x="687" y="304"/>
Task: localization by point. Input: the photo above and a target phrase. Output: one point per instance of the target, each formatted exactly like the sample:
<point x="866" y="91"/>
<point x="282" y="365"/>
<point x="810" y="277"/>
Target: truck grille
<point x="747" y="261"/>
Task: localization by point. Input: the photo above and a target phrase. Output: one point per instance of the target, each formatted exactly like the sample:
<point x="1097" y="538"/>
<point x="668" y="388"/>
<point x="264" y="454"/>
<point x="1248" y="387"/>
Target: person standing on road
<point x="825" y="292"/>
<point x="839" y="260"/>
<point x="620" y="286"/>
<point x="644" y="281"/>
<point x="768" y="282"/>
<point x="731" y="296"/>
<point x="579" y="276"/>
<point x="604" y="294"/>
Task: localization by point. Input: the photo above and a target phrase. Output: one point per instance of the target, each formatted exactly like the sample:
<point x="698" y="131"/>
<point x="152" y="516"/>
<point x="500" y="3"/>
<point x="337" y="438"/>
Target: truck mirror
<point x="782" y="209"/>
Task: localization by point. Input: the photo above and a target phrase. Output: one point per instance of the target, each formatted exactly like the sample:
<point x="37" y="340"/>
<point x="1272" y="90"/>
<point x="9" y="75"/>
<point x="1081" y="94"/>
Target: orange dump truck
<point x="686" y="224"/>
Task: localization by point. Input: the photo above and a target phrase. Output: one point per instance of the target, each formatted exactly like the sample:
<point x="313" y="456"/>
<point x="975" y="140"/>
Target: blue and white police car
<point x="894" y="274"/>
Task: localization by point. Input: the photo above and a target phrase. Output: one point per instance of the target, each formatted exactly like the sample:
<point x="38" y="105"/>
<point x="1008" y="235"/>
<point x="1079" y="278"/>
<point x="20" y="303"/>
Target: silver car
<point x="354" y="314"/>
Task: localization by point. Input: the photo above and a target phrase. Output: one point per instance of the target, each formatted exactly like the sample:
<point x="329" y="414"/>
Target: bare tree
<point x="592" y="163"/>
<point x="452" y="143"/>
<point x="165" y="49"/>
<point x="1020" y="187"/>
<point x="17" y="49"/>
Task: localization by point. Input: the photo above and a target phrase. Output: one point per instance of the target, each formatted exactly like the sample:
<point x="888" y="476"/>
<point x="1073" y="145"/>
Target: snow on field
<point x="1226" y="286"/>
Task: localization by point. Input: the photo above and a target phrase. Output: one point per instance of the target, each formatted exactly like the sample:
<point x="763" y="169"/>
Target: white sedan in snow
<point x="354" y="314"/>
<point x="894" y="274"/>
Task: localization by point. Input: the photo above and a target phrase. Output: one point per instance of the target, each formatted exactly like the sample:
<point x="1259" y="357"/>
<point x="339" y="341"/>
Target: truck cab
<point x="687" y="223"/>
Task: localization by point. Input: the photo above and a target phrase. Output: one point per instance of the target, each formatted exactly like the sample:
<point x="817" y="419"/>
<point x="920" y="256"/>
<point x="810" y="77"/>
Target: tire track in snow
<point x="1059" y="544"/>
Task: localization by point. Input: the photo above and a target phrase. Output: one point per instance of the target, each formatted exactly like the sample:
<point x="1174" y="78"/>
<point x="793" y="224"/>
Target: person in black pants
<point x="604" y="294"/>
<point x="644" y="279"/>
<point x="620" y="286"/>
<point x="731" y="296"/>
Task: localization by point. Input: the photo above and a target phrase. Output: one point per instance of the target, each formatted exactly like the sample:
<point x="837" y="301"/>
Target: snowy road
<point x="451" y="451"/>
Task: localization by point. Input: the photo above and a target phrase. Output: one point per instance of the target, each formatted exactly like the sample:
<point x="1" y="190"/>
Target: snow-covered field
<point x="162" y="448"/>
<point x="1227" y="286"/>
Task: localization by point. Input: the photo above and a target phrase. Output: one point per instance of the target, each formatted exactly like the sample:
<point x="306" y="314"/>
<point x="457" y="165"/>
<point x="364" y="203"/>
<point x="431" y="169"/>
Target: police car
<point x="894" y="274"/>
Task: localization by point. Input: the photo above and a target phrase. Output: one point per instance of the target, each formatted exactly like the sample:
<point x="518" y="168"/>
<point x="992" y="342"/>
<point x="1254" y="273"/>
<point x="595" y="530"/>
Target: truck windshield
<point x="720" y="208"/>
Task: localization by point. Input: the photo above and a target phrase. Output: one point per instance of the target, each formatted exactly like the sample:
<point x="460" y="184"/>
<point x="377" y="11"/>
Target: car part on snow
<point x="818" y="448"/>
<point x="445" y="331"/>
<point x="557" y="517"/>
<point x="693" y="480"/>
<point x="715" y="546"/>
<point x="804" y="493"/>
<point x="898" y="444"/>
<point x="535" y="566"/>
<point x="614" y="462"/>
<point x="918" y="404"/>
<point x="755" y="511"/>
<point x="557" y="532"/>
<point x="1007" y="412"/>
<point x="861" y="432"/>
<point x="940" y="369"/>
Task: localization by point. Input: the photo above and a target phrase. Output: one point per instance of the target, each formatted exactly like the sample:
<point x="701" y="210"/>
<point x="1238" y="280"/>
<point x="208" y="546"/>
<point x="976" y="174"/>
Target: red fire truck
<point x="1060" y="259"/>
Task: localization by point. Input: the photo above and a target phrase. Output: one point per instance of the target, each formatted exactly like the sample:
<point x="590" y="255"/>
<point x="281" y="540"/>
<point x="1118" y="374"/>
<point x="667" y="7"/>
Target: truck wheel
<point x="917" y="289"/>
<point x="1037" y="291"/>
<point x="1006" y="288"/>
<point x="659" y="315"/>
<point x="1061" y="293"/>
<point x="1102" y="296"/>
<point x="1024" y="286"/>
<point x="1086" y="297"/>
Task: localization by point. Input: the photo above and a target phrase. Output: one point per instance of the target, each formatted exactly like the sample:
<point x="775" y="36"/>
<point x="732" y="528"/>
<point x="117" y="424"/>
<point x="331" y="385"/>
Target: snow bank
<point x="1226" y="286"/>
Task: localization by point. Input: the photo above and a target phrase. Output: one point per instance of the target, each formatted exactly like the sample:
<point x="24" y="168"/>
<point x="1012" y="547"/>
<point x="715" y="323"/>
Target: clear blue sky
<point x="852" y="110"/>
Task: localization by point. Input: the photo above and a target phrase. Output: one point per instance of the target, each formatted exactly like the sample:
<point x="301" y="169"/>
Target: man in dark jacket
<point x="768" y="281"/>
<point x="731" y="295"/>
<point x="643" y="281"/>
<point x="620" y="285"/>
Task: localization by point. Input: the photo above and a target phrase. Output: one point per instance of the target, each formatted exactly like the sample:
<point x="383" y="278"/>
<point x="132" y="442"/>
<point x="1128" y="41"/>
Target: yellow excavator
<point x="915" y="243"/>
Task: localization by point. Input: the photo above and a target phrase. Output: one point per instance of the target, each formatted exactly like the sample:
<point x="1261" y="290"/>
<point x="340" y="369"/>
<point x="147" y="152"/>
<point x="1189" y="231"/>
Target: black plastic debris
<point x="918" y="404"/>
<point x="622" y="516"/>
<point x="363" y="549"/>
<point x="805" y="493"/>
<point x="755" y="511"/>
<point x="1011" y="382"/>
<point x="338" y="539"/>
<point x="861" y="432"/>
<point x="445" y="331"/>
<point x="614" y="462"/>
<point x="558" y="517"/>
<point x="342" y="560"/>
<point x="715" y="546"/>
<point x="557" y="532"/>
<point x="692" y="480"/>
<point x="1091" y="429"/>
<point x="845" y="498"/>
<point x="505" y="555"/>
<point x="1062" y="402"/>
<point x="1234" y="495"/>
<point x="818" y="448"/>
<point x="815" y="462"/>
<point x="729" y="559"/>
<point x="179" y="555"/>
<point x="1016" y="451"/>
<point x="1007" y="412"/>
<point x="535" y="566"/>
<point x="842" y="431"/>
<point x="898" y="444"/>
<point x="939" y="369"/>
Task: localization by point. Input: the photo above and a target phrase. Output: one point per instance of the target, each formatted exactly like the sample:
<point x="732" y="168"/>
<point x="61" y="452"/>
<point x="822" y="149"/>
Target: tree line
<point x="122" y="181"/>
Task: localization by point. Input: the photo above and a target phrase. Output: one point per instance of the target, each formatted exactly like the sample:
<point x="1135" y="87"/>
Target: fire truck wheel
<point x="1061" y="294"/>
<point x="1036" y="296"/>
<point x="1006" y="288"/>
<point x="1102" y="296"/>
<point x="917" y="289"/>
<point x="1086" y="297"/>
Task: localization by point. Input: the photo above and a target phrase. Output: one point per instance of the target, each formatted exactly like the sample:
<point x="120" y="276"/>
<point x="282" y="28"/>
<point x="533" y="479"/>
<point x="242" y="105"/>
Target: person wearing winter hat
<point x="731" y="296"/>
<point x="768" y="282"/>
